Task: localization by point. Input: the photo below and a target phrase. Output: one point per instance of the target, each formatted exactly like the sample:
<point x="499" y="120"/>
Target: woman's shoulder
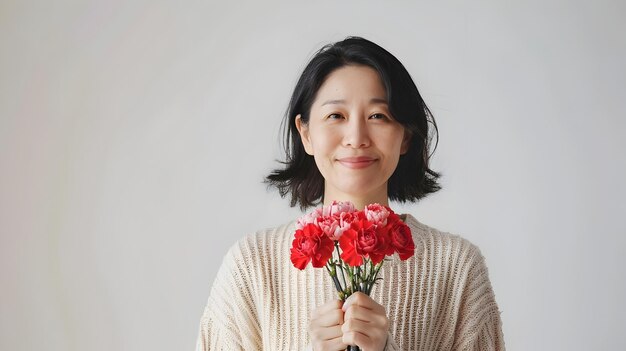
<point x="269" y="236"/>
<point x="264" y="243"/>
<point x="432" y="241"/>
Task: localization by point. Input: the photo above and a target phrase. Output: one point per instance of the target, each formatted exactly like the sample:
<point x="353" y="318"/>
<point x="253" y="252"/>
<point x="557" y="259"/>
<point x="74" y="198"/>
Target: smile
<point x="356" y="162"/>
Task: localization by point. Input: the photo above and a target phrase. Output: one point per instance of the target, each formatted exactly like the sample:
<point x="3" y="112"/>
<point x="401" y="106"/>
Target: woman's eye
<point x="378" y="116"/>
<point x="334" y="116"/>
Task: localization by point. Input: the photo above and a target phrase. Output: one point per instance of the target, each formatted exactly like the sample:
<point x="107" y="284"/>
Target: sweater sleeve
<point x="391" y="344"/>
<point x="229" y="321"/>
<point x="479" y="326"/>
<point x="490" y="336"/>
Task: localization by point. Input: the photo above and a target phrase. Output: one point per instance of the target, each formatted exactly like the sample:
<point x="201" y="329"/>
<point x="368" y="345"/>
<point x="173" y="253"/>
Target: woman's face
<point x="354" y="139"/>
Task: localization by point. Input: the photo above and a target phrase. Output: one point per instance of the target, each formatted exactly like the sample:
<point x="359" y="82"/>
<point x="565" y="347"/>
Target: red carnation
<point x="401" y="240"/>
<point x="311" y="244"/>
<point x="392" y="221"/>
<point x="393" y="218"/>
<point x="363" y="239"/>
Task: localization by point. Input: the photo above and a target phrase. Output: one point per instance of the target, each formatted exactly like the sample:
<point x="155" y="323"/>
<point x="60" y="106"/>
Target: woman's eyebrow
<point x="372" y="101"/>
<point x="334" y="102"/>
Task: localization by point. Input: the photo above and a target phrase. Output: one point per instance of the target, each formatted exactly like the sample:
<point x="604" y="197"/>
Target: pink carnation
<point x="346" y="219"/>
<point x="337" y="207"/>
<point x="376" y="213"/>
<point x="308" y="218"/>
<point x="330" y="226"/>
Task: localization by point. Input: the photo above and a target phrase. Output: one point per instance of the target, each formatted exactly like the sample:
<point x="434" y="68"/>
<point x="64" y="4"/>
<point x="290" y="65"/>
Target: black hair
<point x="412" y="178"/>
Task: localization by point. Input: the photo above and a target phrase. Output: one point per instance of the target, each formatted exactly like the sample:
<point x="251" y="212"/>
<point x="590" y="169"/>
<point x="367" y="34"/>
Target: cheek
<point x="392" y="150"/>
<point x="323" y="141"/>
<point x="391" y="142"/>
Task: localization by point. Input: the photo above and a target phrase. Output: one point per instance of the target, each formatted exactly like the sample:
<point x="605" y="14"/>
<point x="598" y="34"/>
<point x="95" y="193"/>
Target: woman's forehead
<point x="350" y="84"/>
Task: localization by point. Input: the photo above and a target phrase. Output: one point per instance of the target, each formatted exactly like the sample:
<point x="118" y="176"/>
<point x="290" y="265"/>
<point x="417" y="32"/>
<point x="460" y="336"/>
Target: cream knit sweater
<point x="439" y="299"/>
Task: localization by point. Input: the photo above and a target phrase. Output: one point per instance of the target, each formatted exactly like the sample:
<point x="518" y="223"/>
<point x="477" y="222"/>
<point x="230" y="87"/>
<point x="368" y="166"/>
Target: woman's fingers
<point x="355" y="325"/>
<point x="335" y="344"/>
<point x="364" y="314"/>
<point x="362" y="307"/>
<point x="325" y="327"/>
<point x="355" y="338"/>
<point x="360" y="299"/>
<point x="365" y="322"/>
<point x="328" y="306"/>
<point x="326" y="333"/>
<point x="358" y="321"/>
<point x="328" y="314"/>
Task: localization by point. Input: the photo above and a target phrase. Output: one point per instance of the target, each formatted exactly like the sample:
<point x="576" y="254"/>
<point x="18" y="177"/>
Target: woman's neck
<point x="359" y="202"/>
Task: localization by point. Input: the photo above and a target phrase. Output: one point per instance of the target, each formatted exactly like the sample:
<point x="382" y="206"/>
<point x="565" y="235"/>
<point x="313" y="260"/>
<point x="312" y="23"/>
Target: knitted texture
<point x="439" y="299"/>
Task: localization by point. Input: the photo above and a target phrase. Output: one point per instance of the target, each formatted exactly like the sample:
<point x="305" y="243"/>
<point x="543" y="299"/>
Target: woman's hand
<point x="365" y="323"/>
<point x="325" y="327"/>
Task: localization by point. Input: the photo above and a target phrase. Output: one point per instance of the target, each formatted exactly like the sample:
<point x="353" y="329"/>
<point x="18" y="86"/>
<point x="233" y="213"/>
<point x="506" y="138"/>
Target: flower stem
<point x="376" y="270"/>
<point x="343" y="274"/>
<point x="333" y="274"/>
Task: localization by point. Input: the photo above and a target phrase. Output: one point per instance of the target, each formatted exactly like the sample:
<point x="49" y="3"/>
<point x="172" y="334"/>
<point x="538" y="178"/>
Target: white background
<point x="134" y="137"/>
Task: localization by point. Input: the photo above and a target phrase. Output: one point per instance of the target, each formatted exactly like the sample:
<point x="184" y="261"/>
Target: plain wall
<point x="134" y="137"/>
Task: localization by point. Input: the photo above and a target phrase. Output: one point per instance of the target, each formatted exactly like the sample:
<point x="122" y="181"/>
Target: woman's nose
<point x="356" y="133"/>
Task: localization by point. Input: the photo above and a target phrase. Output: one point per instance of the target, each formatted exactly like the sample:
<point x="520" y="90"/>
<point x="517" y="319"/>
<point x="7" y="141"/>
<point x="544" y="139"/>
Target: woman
<point x="358" y="131"/>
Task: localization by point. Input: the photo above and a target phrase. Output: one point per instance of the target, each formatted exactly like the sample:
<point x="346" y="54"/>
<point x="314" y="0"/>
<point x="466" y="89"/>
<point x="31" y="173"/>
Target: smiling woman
<point x="355" y="141"/>
<point x="358" y="131"/>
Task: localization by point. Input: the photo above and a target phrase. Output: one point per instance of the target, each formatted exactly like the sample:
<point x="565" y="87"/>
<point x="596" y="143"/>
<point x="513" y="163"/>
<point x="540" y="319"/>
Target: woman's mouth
<point x="357" y="162"/>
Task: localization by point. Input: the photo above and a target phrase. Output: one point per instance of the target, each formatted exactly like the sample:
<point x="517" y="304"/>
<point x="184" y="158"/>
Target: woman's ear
<point x="303" y="129"/>
<point x="406" y="142"/>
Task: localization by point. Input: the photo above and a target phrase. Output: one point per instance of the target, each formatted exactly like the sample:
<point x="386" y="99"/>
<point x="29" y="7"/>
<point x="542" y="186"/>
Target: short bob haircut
<point x="412" y="179"/>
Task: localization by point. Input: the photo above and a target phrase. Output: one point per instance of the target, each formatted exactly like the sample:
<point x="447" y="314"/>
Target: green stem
<point x="378" y="266"/>
<point x="333" y="274"/>
<point x="343" y="274"/>
<point x="351" y="275"/>
<point x="359" y="277"/>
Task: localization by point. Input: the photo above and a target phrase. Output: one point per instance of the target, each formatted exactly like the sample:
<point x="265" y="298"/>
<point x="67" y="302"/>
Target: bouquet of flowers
<point x="351" y="244"/>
